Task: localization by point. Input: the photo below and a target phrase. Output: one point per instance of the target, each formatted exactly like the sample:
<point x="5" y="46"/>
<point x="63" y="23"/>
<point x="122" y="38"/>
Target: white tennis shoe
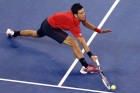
<point x="10" y="32"/>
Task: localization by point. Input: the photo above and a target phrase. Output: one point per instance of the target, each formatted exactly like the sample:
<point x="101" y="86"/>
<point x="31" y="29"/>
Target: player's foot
<point x="10" y="33"/>
<point x="91" y="68"/>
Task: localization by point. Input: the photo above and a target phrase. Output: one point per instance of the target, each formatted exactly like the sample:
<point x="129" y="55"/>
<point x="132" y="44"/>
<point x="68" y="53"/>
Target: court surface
<point x="41" y="65"/>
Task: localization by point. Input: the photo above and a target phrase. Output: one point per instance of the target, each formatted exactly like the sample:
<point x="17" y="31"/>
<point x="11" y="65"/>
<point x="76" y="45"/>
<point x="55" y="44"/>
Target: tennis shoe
<point x="10" y="33"/>
<point x="91" y="68"/>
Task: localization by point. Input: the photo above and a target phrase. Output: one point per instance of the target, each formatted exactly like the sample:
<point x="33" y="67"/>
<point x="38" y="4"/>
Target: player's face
<point x="81" y="15"/>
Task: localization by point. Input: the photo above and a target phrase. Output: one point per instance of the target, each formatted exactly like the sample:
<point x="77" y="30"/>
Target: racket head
<point x="105" y="81"/>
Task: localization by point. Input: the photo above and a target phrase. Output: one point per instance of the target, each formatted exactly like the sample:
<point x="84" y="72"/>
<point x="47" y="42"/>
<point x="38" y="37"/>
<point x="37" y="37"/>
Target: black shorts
<point x="55" y="33"/>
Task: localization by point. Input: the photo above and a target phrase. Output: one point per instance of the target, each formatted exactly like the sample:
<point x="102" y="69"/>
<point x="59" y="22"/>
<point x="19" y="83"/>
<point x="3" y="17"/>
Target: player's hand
<point x="105" y="31"/>
<point x="94" y="58"/>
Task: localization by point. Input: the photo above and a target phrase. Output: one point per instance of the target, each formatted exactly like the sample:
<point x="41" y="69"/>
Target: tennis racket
<point x="104" y="79"/>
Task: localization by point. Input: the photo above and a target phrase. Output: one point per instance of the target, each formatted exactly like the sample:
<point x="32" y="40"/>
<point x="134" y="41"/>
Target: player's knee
<point x="70" y="41"/>
<point x="73" y="42"/>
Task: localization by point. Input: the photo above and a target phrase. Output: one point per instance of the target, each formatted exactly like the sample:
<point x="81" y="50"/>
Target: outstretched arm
<point x="94" y="28"/>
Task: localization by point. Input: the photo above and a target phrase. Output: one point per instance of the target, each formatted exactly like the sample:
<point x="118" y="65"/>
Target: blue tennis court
<point x="41" y="65"/>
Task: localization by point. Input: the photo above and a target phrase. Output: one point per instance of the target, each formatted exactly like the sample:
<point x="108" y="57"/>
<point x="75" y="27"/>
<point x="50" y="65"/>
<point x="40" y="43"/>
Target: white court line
<point x="49" y="85"/>
<point x="89" y="41"/>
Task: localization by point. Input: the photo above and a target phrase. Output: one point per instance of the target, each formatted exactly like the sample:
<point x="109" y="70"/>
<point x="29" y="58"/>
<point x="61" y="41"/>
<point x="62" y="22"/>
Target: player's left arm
<point x="94" y="28"/>
<point x="86" y="48"/>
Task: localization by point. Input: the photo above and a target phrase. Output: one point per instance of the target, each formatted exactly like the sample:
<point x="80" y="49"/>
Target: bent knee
<point x="70" y="41"/>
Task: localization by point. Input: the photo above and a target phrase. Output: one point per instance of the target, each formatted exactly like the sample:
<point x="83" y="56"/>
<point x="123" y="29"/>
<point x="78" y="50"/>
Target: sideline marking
<point x="49" y="85"/>
<point x="89" y="41"/>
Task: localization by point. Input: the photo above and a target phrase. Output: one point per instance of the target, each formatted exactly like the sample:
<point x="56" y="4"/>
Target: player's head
<point x="78" y="11"/>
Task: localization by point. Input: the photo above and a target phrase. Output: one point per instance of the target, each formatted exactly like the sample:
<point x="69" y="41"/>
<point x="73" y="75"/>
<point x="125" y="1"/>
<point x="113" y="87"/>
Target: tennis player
<point x="55" y="27"/>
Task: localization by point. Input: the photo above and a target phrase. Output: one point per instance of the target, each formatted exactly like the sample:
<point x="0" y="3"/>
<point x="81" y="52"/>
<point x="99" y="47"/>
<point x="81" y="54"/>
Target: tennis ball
<point x="113" y="87"/>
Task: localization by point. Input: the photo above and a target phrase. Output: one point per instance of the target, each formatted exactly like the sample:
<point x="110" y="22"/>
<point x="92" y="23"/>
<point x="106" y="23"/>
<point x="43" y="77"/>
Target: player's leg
<point x="13" y="33"/>
<point x="78" y="54"/>
<point x="32" y="33"/>
<point x="75" y="47"/>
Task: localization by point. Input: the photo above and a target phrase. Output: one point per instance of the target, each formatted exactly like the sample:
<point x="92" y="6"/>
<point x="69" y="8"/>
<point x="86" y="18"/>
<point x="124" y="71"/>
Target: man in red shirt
<point x="53" y="27"/>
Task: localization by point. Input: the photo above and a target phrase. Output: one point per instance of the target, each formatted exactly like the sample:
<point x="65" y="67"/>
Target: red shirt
<point x="66" y="21"/>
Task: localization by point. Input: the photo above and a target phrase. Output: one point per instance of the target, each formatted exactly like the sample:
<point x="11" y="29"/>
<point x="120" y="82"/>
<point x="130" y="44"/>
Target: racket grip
<point x="97" y="62"/>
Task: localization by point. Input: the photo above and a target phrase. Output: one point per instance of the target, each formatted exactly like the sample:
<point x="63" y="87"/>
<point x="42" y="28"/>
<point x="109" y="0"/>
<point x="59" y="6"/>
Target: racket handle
<point x="97" y="62"/>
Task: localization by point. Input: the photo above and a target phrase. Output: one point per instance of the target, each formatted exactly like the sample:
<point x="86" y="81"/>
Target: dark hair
<point x="75" y="7"/>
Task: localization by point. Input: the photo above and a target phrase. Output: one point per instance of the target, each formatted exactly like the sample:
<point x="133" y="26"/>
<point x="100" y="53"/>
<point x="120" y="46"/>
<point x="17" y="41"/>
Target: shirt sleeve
<point x="76" y="32"/>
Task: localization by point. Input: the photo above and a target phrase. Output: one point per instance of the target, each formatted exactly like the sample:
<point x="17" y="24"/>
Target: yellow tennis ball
<point x="113" y="87"/>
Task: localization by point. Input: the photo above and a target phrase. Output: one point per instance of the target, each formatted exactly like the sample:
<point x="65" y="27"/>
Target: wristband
<point x="98" y="30"/>
<point x="89" y="54"/>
